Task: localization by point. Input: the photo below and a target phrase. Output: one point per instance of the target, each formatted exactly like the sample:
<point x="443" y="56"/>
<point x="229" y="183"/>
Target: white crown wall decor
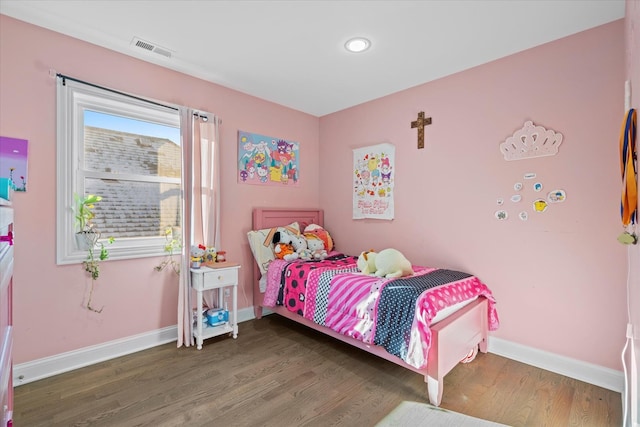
<point x="531" y="141"/>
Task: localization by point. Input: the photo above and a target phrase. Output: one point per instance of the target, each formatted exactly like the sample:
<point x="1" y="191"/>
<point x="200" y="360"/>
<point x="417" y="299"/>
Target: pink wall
<point x="565" y="263"/>
<point x="48" y="314"/>
<point x="632" y="36"/>
<point x="559" y="278"/>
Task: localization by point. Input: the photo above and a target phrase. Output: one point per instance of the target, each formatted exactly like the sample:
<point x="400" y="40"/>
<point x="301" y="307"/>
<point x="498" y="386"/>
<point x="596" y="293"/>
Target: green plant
<point x="172" y="246"/>
<point x="83" y="209"/>
<point x="92" y="263"/>
<point x="92" y="266"/>
<point x="96" y="250"/>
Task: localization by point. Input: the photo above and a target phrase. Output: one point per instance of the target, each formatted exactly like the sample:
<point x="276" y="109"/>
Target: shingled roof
<point x="129" y="208"/>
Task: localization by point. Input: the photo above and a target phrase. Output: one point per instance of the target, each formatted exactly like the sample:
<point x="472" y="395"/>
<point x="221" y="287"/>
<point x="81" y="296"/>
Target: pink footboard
<point x="452" y="339"/>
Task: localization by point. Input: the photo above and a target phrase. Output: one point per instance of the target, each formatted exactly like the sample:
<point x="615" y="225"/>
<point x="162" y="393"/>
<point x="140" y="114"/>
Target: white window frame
<point x="72" y="100"/>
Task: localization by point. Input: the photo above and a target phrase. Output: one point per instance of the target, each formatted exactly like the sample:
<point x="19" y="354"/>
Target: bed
<point x="443" y="340"/>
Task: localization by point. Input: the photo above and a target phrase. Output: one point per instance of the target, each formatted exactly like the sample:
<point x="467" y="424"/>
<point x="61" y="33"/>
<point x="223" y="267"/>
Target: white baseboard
<point x="572" y="368"/>
<point x="49" y="366"/>
<point x="24" y="373"/>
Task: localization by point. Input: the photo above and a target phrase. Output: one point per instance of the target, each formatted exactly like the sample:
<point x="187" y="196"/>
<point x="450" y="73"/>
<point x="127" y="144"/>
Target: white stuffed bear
<point x="387" y="263"/>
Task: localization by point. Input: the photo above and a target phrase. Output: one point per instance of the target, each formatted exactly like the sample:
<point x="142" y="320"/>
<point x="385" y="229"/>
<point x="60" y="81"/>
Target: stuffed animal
<point x="283" y="249"/>
<point x="305" y="254"/>
<point x="197" y="255"/>
<point x="367" y="262"/>
<point x="322" y="234"/>
<point x="299" y="244"/>
<point x="210" y="255"/>
<point x="388" y="263"/>
<point x="316" y="246"/>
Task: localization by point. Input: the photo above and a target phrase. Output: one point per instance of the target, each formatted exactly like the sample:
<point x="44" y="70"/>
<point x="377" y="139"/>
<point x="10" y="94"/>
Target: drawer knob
<point x="220" y="277"/>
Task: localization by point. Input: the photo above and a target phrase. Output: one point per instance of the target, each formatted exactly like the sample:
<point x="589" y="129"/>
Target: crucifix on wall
<point x="420" y="124"/>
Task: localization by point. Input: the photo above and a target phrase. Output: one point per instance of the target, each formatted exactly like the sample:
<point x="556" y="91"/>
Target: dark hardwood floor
<point x="278" y="373"/>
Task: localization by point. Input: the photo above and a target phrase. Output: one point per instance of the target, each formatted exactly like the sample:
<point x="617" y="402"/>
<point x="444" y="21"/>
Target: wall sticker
<point x="531" y="141"/>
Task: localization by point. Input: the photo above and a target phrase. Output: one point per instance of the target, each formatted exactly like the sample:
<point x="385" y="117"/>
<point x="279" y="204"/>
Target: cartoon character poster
<point x="264" y="160"/>
<point x="373" y="181"/>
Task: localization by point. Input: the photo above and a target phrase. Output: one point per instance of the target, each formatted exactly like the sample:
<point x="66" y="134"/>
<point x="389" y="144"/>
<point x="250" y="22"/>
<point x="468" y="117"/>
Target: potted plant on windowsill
<point x="87" y="238"/>
<point x="86" y="235"/>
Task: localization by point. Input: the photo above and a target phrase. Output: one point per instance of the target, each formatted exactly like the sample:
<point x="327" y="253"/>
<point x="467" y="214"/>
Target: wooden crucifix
<point x="420" y="124"/>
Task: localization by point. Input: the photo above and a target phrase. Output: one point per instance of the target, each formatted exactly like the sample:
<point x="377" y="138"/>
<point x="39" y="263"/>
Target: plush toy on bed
<point x="387" y="263"/>
<point x="282" y="247"/>
<point x="367" y="262"/>
<point x="299" y="244"/>
<point x="321" y="233"/>
<point x="316" y="246"/>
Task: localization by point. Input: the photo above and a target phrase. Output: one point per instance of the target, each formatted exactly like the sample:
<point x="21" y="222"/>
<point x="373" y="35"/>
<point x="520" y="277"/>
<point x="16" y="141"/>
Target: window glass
<point x="121" y="145"/>
<point x="134" y="209"/>
<point x="128" y="152"/>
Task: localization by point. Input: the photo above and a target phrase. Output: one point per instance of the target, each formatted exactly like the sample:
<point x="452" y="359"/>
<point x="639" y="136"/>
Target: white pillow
<point x="261" y="242"/>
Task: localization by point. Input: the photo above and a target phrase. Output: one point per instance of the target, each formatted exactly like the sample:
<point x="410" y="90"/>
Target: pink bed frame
<point x="452" y="338"/>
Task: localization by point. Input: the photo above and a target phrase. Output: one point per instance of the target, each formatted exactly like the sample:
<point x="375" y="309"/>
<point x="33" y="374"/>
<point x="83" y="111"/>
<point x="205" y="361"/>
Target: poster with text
<point x="265" y="160"/>
<point x="373" y="181"/>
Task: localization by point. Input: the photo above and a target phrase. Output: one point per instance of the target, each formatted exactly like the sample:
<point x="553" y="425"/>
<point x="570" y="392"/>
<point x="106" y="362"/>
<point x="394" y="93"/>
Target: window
<point x="126" y="150"/>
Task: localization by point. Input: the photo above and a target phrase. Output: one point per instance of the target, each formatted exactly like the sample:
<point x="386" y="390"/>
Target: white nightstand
<point x="223" y="275"/>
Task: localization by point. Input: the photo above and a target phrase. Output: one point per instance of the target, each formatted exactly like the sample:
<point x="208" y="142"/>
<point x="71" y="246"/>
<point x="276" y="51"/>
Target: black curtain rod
<point x="63" y="77"/>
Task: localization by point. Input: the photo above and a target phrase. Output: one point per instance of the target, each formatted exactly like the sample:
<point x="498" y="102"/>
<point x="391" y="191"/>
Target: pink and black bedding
<point x="428" y="322"/>
<point x="393" y="313"/>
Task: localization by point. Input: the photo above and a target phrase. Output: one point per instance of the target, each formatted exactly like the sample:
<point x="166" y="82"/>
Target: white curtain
<point x="200" y="203"/>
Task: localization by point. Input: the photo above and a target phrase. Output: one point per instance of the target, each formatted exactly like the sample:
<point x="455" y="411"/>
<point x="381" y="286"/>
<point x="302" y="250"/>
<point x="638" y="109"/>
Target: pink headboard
<point x="274" y="217"/>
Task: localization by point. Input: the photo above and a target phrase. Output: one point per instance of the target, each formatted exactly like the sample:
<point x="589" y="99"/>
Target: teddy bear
<point x="316" y="246"/>
<point x="283" y="248"/>
<point x="387" y="263"/>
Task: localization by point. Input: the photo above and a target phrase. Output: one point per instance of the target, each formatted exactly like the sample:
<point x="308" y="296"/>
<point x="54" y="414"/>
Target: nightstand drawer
<point x="210" y="278"/>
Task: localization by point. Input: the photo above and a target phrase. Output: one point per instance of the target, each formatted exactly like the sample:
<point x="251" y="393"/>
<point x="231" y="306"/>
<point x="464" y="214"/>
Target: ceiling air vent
<point x="150" y="47"/>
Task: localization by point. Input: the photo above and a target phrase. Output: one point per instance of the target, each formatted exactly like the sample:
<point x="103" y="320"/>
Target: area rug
<point x="416" y="414"/>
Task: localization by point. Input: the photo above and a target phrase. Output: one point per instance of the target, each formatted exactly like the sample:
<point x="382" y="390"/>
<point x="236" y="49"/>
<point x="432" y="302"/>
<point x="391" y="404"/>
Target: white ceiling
<point x="291" y="52"/>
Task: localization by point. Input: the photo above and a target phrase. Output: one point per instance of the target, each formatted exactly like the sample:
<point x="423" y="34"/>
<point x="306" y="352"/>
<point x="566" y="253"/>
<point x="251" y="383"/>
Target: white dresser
<point x="6" y="316"/>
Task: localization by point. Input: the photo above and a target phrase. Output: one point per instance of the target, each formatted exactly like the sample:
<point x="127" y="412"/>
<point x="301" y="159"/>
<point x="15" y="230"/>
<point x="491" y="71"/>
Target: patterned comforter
<point x="393" y="313"/>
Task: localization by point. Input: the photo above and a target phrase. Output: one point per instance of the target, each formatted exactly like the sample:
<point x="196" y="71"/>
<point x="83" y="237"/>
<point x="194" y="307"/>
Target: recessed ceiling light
<point x="357" y="44"/>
